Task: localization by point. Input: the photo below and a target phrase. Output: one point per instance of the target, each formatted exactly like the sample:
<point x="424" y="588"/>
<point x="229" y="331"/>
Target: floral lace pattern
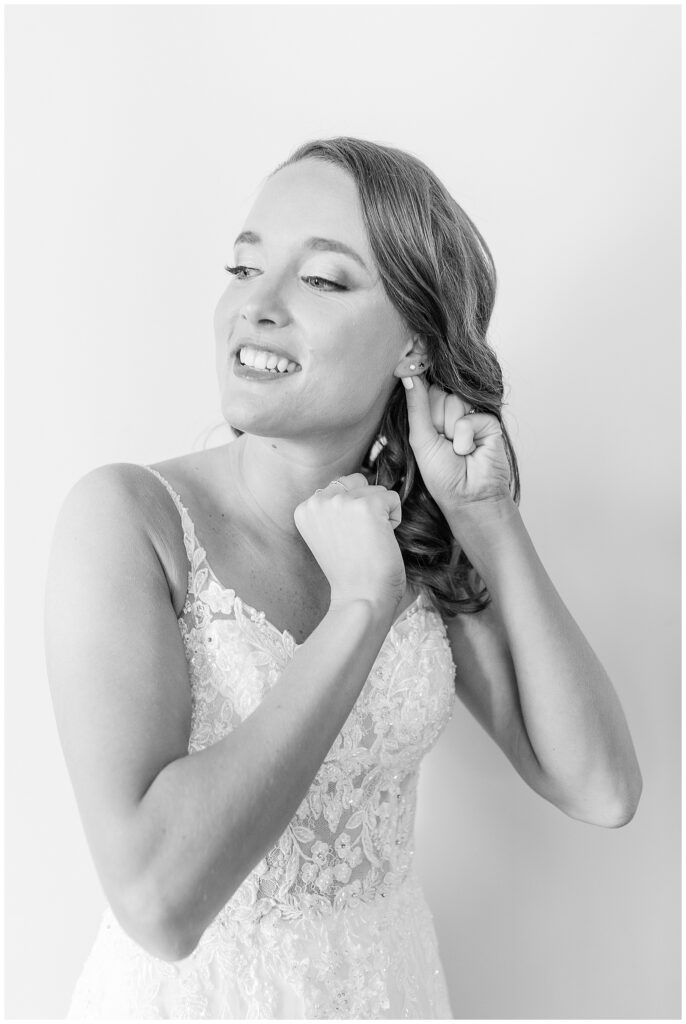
<point x="332" y="923"/>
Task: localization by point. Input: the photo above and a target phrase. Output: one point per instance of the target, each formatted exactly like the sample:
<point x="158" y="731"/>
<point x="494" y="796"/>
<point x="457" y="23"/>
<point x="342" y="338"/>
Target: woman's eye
<point x="323" y="284"/>
<point x="239" y="271"/>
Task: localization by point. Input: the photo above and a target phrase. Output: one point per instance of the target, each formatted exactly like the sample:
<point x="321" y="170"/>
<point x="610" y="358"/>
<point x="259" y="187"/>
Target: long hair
<point x="440" y="276"/>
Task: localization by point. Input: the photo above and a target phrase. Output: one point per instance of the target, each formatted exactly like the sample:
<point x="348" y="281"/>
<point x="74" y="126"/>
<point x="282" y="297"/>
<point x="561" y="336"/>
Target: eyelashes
<point x="240" y="273"/>
<point x="329" y="286"/>
<point x="237" y="271"/>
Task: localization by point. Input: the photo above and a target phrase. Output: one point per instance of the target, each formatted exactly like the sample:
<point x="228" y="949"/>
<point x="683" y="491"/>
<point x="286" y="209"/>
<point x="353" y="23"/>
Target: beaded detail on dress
<point x="332" y="922"/>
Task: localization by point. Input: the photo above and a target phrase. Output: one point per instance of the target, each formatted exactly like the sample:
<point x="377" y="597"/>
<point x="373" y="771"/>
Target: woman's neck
<point x="274" y="476"/>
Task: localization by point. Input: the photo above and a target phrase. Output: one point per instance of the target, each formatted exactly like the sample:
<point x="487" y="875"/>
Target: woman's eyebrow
<point x="318" y="244"/>
<point x="331" y="245"/>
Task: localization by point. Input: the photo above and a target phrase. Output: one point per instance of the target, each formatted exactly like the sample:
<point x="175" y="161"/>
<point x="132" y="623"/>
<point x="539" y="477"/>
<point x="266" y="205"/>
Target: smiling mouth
<point x="256" y="375"/>
<point x="265" y="361"/>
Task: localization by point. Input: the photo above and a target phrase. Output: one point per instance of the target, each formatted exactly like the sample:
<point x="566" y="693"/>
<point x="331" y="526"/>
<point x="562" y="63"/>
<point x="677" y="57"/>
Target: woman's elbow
<point x="169" y="943"/>
<point x="626" y="807"/>
<point x="150" y="924"/>
<point x="612" y="809"/>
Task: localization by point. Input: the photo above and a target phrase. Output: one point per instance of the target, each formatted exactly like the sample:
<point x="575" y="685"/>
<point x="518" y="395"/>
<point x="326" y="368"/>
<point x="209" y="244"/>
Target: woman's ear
<point x="417" y="346"/>
<point x="415" y="360"/>
<point x="421" y="350"/>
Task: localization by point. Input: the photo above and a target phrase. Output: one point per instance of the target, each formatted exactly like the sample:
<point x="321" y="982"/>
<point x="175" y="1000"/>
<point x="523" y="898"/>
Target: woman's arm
<point x="528" y="674"/>
<point x="524" y="667"/>
<point x="207" y="819"/>
<point x="173" y="835"/>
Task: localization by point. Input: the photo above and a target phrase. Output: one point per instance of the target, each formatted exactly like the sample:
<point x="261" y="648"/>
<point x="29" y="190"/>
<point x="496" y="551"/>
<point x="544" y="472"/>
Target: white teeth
<point x="262" y="360"/>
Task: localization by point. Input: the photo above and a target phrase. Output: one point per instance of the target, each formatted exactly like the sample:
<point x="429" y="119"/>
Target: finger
<point x="374" y="490"/>
<point x="423" y="434"/>
<point x="437" y="399"/>
<point x="347" y="483"/>
<point x="388" y="501"/>
<point x="354" y="480"/>
<point x="463" y="436"/>
<point x="393" y="508"/>
<point x="484" y="424"/>
<point x="368" y="492"/>
<point x="472" y="430"/>
<point x="455" y="409"/>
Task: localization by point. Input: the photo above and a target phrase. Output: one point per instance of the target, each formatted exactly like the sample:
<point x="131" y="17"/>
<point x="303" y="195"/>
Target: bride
<point x="251" y="648"/>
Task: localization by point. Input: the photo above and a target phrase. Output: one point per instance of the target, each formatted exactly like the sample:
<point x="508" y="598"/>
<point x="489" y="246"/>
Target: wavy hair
<point x="440" y="276"/>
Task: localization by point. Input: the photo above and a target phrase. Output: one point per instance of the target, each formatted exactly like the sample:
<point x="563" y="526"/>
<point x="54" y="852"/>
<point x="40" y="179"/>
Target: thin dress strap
<point x="189" y="537"/>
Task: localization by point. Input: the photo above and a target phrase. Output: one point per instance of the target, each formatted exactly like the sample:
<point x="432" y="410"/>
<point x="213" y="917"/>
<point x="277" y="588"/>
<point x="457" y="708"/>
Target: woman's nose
<point x="265" y="302"/>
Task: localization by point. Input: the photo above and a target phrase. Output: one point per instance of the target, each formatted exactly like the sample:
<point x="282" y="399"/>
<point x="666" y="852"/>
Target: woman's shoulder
<point x="132" y="485"/>
<point x="164" y="513"/>
<point x="116" y="487"/>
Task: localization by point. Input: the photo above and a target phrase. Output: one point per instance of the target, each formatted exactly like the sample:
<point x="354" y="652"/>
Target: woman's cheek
<point x="225" y="316"/>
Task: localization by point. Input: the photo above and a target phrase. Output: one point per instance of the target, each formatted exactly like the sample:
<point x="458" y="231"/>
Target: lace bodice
<point x="350" y="843"/>
<point x="351" y="837"/>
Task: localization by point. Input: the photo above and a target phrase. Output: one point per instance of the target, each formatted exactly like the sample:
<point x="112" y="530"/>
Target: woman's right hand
<point x="350" y="533"/>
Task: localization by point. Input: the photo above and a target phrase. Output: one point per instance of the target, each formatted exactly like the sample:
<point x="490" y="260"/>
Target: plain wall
<point x="136" y="138"/>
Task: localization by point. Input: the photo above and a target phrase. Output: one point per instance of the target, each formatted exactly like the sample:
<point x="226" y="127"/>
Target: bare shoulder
<point x="119" y="488"/>
<point x="125" y="490"/>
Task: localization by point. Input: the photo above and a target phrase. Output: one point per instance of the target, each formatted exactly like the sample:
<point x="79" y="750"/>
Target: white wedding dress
<point x="333" y="922"/>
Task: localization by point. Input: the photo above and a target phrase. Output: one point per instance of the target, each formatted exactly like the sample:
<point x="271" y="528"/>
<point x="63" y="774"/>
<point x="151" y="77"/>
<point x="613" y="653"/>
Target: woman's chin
<point x="254" y="421"/>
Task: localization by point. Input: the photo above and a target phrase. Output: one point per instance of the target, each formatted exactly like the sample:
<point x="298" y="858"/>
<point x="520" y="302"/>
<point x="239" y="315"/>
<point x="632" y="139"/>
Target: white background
<point x="136" y="139"/>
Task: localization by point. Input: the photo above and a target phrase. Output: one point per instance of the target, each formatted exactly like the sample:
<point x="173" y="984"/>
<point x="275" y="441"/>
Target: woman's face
<point x="309" y="290"/>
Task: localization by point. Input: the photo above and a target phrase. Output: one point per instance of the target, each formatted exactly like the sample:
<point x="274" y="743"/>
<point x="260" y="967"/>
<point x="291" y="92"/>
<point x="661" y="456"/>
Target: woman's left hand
<point x="461" y="456"/>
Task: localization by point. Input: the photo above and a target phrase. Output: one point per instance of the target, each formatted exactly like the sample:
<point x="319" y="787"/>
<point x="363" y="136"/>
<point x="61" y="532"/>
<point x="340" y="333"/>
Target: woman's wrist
<point x="480" y="527"/>
<point x="484" y="516"/>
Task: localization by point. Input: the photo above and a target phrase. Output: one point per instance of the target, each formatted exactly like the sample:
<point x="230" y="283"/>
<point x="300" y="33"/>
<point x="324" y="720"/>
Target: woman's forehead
<point x="311" y="198"/>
